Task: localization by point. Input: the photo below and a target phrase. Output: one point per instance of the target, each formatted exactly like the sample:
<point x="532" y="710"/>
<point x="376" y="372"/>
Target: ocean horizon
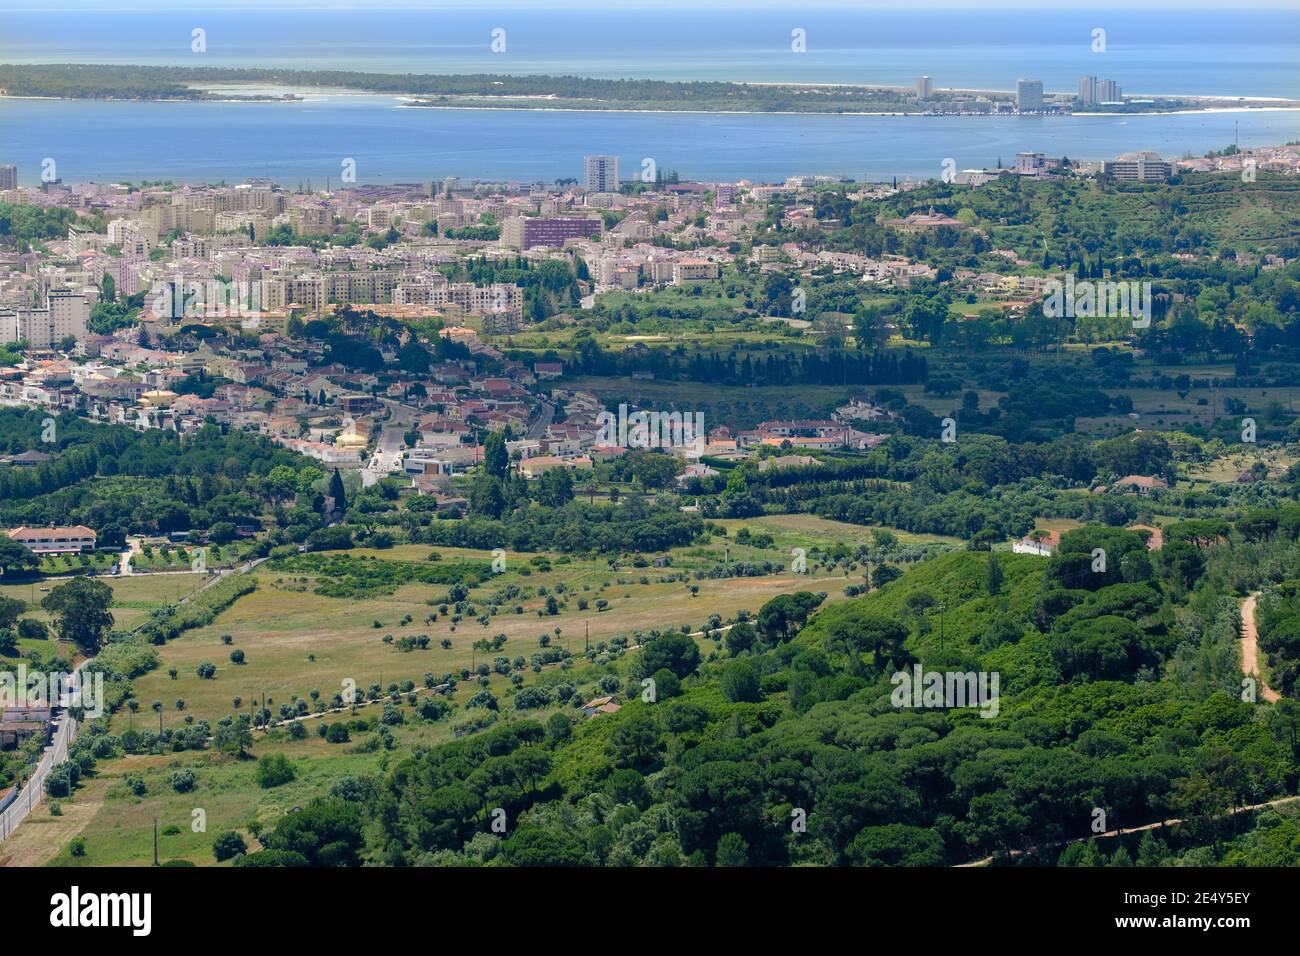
<point x="1204" y="54"/>
<point x="1227" y="54"/>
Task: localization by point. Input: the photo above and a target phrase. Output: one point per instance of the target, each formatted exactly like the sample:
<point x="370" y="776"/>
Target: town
<point x="647" y="517"/>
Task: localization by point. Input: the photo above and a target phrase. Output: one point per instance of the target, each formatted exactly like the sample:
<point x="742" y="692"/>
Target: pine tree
<point x="1091" y="855"/>
<point x="496" y="459"/>
<point x="337" y="492"/>
<point x="994" y="573"/>
<point x="1151" y="851"/>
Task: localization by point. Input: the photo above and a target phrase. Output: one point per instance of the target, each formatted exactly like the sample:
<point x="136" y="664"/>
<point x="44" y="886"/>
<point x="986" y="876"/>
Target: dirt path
<point x="42" y="836"/>
<point x="1250" y="649"/>
<point x="1171" y="822"/>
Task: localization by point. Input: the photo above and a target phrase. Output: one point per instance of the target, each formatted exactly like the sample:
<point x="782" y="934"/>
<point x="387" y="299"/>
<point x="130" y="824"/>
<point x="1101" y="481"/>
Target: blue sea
<point x="1235" y="53"/>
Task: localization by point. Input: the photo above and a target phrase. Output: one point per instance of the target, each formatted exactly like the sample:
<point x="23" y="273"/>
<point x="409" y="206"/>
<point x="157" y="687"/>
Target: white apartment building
<point x="601" y="174"/>
<point x="1031" y="164"/>
<point x="1093" y="91"/>
<point x="66" y="313"/>
<point x="694" y="270"/>
<point x="1029" y="95"/>
<point x="234" y="221"/>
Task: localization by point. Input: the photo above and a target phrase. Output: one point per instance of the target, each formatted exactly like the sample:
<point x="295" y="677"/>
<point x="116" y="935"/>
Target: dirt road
<point x="1250" y="649"/>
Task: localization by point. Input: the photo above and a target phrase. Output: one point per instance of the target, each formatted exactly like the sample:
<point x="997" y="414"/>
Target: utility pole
<point x="586" y="648"/>
<point x="155" y="841"/>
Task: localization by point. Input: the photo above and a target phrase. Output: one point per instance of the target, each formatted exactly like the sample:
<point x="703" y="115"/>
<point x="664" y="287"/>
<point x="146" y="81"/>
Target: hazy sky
<point x="793" y="5"/>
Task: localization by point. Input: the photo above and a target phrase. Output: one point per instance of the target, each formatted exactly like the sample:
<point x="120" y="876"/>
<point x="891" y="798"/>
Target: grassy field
<point x="811" y="531"/>
<point x="133" y="598"/>
<point x="296" y="641"/>
<point x="1226" y="468"/>
<point x="734" y="405"/>
<point x="118" y="826"/>
<point x="67" y="564"/>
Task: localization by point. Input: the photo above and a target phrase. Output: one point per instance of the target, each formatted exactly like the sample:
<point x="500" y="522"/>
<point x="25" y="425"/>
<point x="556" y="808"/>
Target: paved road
<point x="65" y="729"/>
<point x="387" y="457"/>
<point x="544" y="417"/>
<point x="392" y="439"/>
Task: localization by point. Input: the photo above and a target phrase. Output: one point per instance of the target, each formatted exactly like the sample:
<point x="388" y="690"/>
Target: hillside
<point x="764" y="740"/>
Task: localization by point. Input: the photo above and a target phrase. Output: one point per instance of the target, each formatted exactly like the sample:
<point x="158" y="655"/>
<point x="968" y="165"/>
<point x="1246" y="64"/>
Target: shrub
<point x="228" y="845"/>
<point x="273" y="770"/>
<point x="337" y="733"/>
<point x="740" y="683"/>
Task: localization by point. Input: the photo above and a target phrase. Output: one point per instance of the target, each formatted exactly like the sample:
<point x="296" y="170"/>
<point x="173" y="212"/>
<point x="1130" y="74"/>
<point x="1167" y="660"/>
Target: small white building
<point x="1042" y="543"/>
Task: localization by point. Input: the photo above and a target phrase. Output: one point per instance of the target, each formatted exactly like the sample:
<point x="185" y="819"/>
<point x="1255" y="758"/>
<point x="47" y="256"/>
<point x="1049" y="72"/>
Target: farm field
<point x="296" y="641"/>
<point x="1226" y="468"/>
<point x="133" y="597"/>
<point x="808" y="531"/>
<point x="118" y="827"/>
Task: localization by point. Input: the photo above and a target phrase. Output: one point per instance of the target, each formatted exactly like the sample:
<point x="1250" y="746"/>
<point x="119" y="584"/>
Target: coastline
<point x="410" y="101"/>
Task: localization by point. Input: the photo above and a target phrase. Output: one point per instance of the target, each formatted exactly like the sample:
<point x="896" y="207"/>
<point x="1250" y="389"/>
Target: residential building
<point x="525" y="232"/>
<point x="694" y="270"/>
<point x="1041" y="543"/>
<point x="600" y="174"/>
<point x="53" y="540"/>
<point x="17" y="724"/>
<point x="27" y="459"/>
<point x="1087" y="94"/>
<point x="1141" y="484"/>
<point x="600" y="705"/>
<point x="66" y="313"/>
<point x="924" y="88"/>
<point x="8" y="176"/>
<point x="1094" y="91"/>
<point x="1031" y="164"/>
<point x="1144" y="167"/>
<point x="1029" y="95"/>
